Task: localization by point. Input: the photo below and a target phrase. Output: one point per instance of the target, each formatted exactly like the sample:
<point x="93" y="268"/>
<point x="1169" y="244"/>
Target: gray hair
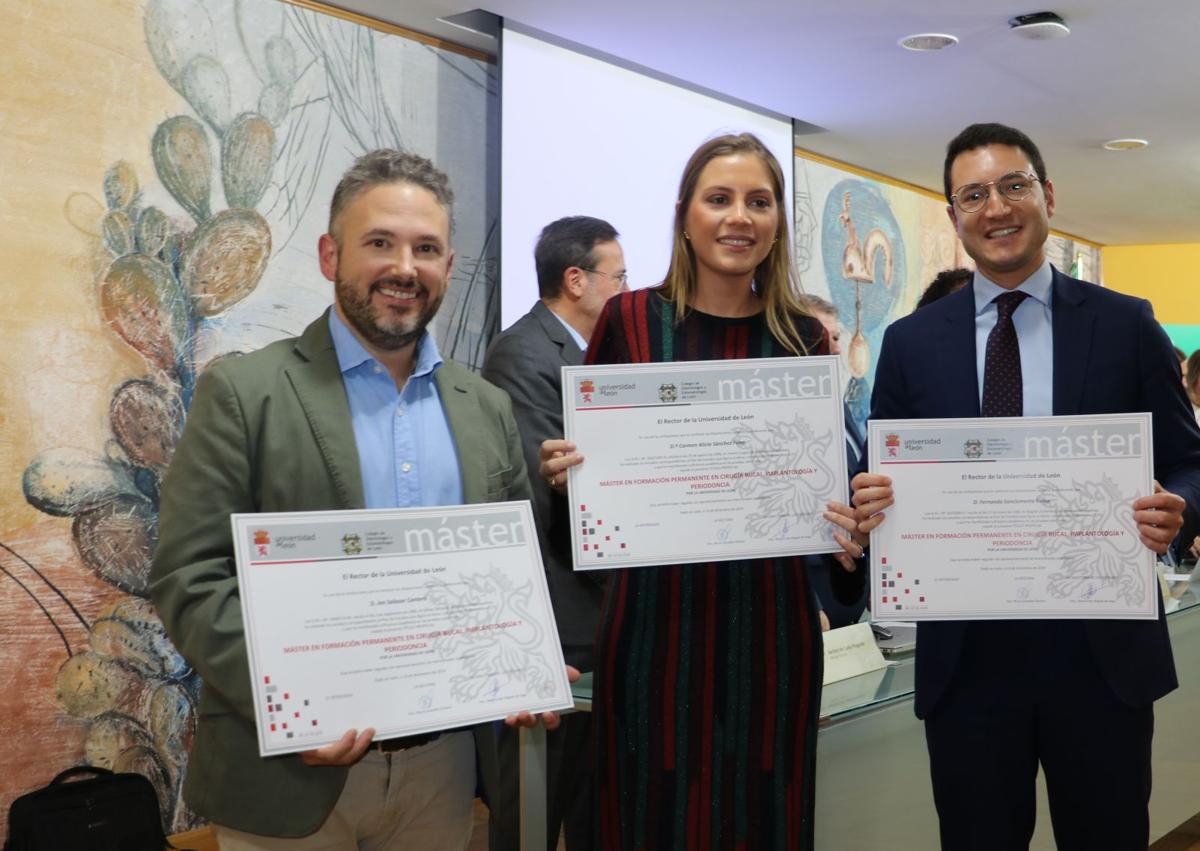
<point x="815" y="304"/>
<point x="386" y="165"/>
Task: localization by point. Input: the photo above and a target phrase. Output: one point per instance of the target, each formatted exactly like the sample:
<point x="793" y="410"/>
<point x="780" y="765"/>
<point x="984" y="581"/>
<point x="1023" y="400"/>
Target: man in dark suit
<point x="580" y="266"/>
<point x="359" y="411"/>
<point x="1076" y="696"/>
<point x="834" y="612"/>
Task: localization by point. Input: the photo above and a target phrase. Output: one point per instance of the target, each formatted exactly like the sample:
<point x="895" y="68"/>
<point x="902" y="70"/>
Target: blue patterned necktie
<point x="1002" y="388"/>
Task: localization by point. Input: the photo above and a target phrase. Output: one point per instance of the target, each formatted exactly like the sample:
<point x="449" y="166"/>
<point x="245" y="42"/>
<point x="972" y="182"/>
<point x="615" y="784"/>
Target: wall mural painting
<point x="208" y="253"/>
<point x="866" y="274"/>
<point x="871" y="249"/>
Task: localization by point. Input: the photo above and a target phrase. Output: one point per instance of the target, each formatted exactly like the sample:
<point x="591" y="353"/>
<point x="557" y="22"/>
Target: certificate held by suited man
<point x="703" y="461"/>
<point x="1005" y="517"/>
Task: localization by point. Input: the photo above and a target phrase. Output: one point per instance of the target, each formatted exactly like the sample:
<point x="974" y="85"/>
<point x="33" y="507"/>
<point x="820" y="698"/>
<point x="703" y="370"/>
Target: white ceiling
<point x="1129" y="68"/>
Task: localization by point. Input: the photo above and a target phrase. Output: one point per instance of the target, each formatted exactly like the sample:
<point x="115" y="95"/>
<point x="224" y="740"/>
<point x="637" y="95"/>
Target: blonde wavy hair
<point x="775" y="280"/>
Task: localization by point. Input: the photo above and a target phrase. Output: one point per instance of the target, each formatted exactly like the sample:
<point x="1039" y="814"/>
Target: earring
<point x="685" y="235"/>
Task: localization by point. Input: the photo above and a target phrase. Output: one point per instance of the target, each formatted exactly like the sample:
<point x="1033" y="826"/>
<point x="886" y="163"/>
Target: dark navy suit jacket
<point x="1110" y="356"/>
<point x="843" y="599"/>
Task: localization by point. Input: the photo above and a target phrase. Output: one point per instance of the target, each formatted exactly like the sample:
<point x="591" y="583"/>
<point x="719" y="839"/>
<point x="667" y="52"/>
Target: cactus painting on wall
<point x="185" y="213"/>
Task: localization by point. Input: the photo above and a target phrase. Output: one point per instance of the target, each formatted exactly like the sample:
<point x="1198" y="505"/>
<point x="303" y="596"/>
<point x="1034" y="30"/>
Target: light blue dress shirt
<point x="1035" y="337"/>
<point x="575" y="335"/>
<point x="405" y="447"/>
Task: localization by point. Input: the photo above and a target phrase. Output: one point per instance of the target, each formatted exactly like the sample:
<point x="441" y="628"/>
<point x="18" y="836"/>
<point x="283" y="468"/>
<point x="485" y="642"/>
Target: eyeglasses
<point x="974" y="196"/>
<point x="621" y="278"/>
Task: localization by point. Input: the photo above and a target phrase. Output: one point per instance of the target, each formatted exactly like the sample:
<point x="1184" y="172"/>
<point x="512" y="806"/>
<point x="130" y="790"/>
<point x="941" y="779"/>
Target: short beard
<point x="365" y="318"/>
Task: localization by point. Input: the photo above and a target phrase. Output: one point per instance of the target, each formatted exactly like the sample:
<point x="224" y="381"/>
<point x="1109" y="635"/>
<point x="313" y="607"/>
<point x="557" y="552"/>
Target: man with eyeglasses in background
<point x="580" y="266"/>
<point x="1076" y="696"/>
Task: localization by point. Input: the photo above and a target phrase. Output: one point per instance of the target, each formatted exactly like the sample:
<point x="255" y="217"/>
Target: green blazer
<point x="271" y="431"/>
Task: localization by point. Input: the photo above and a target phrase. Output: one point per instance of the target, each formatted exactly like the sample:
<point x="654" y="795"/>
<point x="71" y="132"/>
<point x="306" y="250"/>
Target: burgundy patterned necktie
<point x="1002" y="389"/>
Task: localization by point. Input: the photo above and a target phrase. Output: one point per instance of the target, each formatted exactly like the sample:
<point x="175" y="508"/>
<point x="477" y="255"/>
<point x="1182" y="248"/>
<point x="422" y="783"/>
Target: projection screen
<point x="583" y="135"/>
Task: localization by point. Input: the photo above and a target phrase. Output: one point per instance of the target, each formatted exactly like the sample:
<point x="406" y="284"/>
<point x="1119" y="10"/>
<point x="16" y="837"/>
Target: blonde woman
<point x="708" y="676"/>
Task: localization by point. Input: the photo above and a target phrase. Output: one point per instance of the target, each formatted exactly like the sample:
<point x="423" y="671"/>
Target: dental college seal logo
<point x="973" y="448"/>
<point x="351" y="544"/>
<point x="668" y="393"/>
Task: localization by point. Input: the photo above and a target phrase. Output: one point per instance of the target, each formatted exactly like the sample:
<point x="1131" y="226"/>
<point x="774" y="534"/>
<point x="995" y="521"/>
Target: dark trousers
<point x="1029" y="692"/>
<point x="570" y="781"/>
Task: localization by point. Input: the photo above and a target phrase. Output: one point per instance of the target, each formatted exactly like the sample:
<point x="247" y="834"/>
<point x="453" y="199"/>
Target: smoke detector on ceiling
<point x="1039" y="26"/>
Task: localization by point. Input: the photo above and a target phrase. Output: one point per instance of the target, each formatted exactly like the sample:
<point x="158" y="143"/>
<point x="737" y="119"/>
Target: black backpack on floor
<point x="106" y="812"/>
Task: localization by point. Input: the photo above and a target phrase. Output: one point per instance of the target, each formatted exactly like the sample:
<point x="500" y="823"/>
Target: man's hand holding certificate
<point x="406" y="621"/>
<point x="715" y="460"/>
<point x="1035" y="517"/>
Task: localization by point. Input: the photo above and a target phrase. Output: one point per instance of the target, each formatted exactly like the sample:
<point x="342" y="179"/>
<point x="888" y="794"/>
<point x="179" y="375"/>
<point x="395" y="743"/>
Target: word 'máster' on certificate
<point x="1024" y="517"/>
<point x="703" y="461"/>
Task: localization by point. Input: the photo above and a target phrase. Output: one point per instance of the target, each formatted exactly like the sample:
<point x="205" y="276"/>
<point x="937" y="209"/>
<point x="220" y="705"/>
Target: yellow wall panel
<point x="1167" y="275"/>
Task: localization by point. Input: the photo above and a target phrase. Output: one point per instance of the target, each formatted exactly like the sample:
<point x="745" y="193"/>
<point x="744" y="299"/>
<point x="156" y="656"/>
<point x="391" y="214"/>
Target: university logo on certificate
<point x="1013" y="517"/>
<point x="703" y="461"/>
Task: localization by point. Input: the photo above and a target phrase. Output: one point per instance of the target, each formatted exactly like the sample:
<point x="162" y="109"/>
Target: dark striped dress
<point x="708" y="676"/>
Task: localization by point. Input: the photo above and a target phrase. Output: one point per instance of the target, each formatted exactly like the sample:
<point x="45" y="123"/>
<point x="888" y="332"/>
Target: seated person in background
<point x="1191" y="382"/>
<point x="947" y="281"/>
<point x="835" y="613"/>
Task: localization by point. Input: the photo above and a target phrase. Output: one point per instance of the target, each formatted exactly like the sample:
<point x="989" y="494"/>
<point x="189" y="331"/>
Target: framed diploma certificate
<point x="407" y="620"/>
<point x="703" y="461"/>
<point x="1003" y="517"/>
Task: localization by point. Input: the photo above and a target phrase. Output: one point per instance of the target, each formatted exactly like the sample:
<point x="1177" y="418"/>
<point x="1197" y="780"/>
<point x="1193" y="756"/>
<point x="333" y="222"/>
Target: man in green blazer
<point x="359" y="411"/>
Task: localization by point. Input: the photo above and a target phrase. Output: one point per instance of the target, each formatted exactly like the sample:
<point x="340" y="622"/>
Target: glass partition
<point x="895" y="682"/>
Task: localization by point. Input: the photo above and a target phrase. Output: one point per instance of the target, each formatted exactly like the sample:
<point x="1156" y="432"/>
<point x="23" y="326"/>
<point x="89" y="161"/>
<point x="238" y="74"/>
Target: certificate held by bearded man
<point x="406" y="620"/>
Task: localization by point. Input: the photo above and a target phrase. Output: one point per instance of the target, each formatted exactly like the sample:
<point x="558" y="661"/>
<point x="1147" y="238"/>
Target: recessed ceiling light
<point x="923" y="42"/>
<point x="1125" y="144"/>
